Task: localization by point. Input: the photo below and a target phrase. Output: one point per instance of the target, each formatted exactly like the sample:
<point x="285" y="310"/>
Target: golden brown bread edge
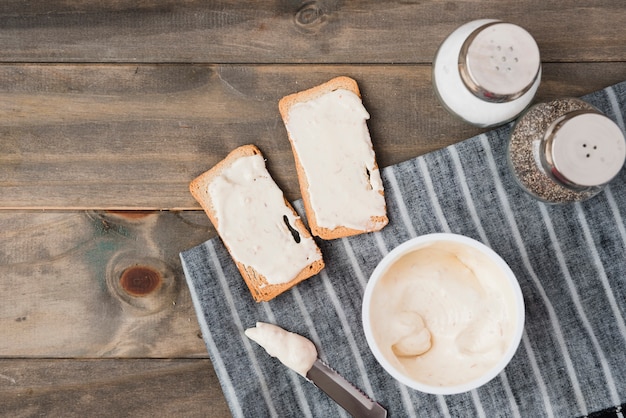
<point x="260" y="289"/>
<point x="284" y="105"/>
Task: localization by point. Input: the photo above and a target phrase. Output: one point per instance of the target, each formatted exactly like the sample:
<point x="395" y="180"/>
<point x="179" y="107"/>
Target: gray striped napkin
<point x="570" y="261"/>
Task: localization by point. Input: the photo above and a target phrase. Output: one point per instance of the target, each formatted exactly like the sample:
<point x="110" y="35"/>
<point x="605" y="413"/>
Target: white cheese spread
<point x="251" y="213"/>
<point x="333" y="146"/>
<point x="293" y="350"/>
<point x="444" y="314"/>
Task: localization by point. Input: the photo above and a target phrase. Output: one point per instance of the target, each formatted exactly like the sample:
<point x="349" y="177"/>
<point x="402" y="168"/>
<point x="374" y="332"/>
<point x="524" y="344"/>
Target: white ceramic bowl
<point x="507" y="281"/>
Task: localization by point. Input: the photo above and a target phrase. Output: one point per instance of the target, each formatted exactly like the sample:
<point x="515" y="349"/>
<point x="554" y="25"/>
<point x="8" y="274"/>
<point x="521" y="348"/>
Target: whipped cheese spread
<point x="293" y="350"/>
<point x="251" y="213"/>
<point x="333" y="146"/>
<point x="443" y="313"/>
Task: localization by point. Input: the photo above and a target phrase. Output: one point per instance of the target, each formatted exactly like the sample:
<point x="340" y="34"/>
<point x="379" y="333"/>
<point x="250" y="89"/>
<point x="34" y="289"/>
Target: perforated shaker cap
<point x="499" y="62"/>
<point x="587" y="149"/>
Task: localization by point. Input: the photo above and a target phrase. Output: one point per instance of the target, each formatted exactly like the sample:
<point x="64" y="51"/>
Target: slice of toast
<point x="266" y="238"/>
<point x="339" y="179"/>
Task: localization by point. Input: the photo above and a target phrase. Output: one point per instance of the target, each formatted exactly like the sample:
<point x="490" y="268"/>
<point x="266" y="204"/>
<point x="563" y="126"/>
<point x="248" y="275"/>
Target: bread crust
<point x="284" y="105"/>
<point x="258" y="285"/>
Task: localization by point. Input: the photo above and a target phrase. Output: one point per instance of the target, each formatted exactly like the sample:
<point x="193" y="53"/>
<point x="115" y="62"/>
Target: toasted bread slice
<point x="266" y="238"/>
<point x="339" y="179"/>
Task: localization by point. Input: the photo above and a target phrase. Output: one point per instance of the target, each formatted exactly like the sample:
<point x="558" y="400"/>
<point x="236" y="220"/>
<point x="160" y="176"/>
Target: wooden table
<point x="109" y="108"/>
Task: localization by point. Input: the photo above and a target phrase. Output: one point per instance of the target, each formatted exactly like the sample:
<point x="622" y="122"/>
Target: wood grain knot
<point x="140" y="280"/>
<point x="144" y="285"/>
<point x="310" y="14"/>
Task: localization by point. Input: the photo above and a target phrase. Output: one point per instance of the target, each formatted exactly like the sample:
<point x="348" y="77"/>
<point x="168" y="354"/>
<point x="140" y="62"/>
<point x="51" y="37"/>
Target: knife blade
<point x="343" y="392"/>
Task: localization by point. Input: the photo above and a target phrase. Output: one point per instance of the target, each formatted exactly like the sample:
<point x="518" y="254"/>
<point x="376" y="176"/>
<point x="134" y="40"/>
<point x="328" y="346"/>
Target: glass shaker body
<point x="565" y="151"/>
<point x="487" y="72"/>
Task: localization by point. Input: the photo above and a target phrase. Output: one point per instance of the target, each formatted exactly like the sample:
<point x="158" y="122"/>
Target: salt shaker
<point x="487" y="72"/>
<point x="565" y="151"/>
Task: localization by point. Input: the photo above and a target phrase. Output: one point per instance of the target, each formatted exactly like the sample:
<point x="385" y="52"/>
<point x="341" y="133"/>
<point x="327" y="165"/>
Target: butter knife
<point x="343" y="392"/>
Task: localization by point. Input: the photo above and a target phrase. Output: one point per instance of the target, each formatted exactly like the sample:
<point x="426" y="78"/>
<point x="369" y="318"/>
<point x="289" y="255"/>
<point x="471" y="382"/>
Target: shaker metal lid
<point x="499" y="62"/>
<point x="587" y="149"/>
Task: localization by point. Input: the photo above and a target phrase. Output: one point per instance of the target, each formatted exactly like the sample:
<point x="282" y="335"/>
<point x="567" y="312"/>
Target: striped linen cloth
<point x="570" y="261"/>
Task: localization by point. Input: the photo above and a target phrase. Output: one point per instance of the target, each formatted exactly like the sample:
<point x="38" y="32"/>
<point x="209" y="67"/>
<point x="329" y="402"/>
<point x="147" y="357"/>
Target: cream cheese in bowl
<point x="443" y="313"/>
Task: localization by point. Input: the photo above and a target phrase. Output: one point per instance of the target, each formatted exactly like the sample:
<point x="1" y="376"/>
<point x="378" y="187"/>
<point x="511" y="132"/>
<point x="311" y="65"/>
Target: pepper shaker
<point x="565" y="151"/>
<point x="487" y="72"/>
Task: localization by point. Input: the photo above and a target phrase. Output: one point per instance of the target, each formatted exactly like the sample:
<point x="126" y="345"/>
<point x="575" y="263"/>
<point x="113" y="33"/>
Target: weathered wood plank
<point x="96" y="284"/>
<point x="110" y="388"/>
<point x="324" y="31"/>
<point x="133" y="136"/>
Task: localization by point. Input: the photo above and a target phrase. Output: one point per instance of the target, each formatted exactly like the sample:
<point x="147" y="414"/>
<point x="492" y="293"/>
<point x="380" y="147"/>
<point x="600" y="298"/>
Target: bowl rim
<point x="413" y="244"/>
